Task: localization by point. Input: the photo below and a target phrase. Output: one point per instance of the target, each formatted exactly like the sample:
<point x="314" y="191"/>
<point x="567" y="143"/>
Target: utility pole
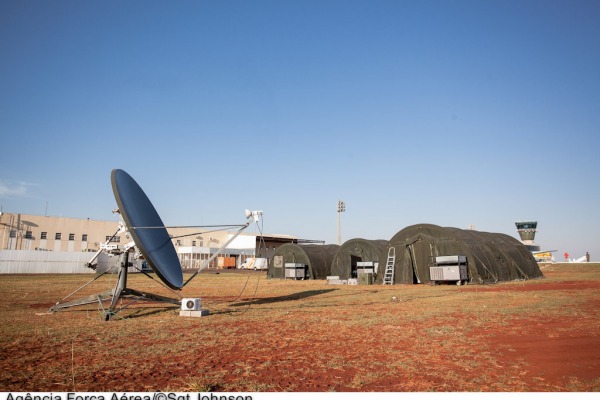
<point x="341" y="207"/>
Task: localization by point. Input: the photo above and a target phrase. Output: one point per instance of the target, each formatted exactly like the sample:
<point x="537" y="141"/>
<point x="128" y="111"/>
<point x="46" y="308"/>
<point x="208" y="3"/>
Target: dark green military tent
<point x="316" y="258"/>
<point x="491" y="257"/>
<point x="344" y="263"/>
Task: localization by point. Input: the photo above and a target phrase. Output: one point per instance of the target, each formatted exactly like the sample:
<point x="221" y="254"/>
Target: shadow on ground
<point x="289" y="297"/>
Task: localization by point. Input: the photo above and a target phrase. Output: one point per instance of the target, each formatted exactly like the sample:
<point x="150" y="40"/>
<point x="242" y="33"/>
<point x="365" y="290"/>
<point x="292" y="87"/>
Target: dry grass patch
<point x="272" y="335"/>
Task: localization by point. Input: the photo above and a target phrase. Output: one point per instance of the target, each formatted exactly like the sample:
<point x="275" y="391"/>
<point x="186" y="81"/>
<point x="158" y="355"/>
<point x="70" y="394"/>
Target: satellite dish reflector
<point x="147" y="229"/>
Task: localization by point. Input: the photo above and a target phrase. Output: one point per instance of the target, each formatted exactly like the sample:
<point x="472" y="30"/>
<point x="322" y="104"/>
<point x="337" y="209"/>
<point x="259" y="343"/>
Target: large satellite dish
<point x="151" y="241"/>
<point x="147" y="229"/>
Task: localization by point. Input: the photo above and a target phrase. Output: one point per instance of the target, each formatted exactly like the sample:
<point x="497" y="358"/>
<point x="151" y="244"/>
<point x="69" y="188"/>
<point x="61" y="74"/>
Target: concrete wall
<point x="43" y="262"/>
<point x="57" y="262"/>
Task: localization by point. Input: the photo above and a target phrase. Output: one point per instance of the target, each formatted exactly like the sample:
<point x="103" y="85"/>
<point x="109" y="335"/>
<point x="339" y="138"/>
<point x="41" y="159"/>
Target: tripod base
<point x="110" y="312"/>
<point x="120" y="292"/>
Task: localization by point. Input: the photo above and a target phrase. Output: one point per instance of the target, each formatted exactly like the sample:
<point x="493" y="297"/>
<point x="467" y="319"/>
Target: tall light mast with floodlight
<point x="341" y="207"/>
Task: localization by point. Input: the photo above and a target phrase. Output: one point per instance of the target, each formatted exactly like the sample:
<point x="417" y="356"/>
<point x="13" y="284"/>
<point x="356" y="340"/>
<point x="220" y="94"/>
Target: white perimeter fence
<point x="54" y="262"/>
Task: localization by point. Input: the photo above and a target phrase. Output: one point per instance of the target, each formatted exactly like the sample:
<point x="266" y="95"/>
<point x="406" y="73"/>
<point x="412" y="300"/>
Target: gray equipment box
<point x="450" y="260"/>
<point x="365" y="278"/>
<point x="364" y="271"/>
<point x="366" y="266"/>
<point x="295" y="271"/>
<point x="453" y="273"/>
<point x="449" y="269"/>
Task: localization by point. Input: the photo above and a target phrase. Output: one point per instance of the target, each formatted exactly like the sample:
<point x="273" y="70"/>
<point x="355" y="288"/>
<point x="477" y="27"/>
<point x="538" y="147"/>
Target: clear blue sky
<point x="444" y="112"/>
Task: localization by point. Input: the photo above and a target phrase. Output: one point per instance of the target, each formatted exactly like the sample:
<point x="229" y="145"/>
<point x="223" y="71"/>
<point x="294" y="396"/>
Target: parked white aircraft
<point x="579" y="260"/>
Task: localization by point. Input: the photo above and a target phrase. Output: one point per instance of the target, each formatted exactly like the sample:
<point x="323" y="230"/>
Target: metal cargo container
<point x="226" y="262"/>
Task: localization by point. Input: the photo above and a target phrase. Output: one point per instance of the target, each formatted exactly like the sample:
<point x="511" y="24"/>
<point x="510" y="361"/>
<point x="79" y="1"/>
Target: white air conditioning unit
<point x="190" y="304"/>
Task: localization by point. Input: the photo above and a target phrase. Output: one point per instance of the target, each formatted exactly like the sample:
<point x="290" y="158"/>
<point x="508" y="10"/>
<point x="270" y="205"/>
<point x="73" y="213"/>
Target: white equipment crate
<point x="295" y="271"/>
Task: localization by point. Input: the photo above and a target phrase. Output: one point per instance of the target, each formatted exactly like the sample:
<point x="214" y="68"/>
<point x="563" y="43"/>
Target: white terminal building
<point x="43" y="244"/>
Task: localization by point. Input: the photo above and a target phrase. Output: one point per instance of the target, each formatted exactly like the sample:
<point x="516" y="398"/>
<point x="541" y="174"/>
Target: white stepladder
<point x="388" y="276"/>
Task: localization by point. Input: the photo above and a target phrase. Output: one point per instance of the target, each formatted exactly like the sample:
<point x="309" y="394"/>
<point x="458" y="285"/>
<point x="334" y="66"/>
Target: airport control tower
<point x="527" y="231"/>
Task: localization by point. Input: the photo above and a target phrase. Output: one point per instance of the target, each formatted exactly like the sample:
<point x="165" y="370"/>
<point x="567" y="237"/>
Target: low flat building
<point x="26" y="232"/>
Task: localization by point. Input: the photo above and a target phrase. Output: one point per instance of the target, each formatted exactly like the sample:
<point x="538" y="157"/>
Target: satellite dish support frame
<point x="119" y="292"/>
<point x="255" y="215"/>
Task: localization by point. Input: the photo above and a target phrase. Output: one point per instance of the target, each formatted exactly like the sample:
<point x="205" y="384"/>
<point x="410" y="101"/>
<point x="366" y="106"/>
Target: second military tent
<point x="354" y="251"/>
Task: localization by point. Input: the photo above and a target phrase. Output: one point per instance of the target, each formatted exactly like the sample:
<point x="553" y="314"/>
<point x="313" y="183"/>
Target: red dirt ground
<point x="551" y="346"/>
<point x="319" y="338"/>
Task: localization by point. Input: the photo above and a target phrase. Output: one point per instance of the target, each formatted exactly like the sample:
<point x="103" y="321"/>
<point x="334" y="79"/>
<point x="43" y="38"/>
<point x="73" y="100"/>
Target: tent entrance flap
<point x="413" y="262"/>
<point x="354" y="260"/>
